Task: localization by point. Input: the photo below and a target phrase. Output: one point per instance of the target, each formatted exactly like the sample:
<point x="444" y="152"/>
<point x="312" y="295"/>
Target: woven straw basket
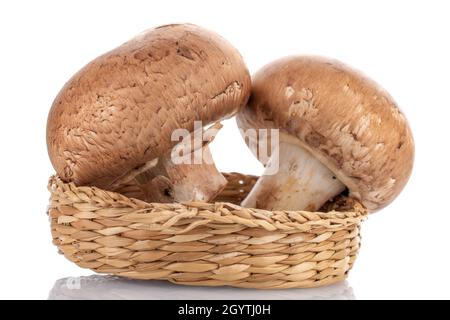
<point x="208" y="244"/>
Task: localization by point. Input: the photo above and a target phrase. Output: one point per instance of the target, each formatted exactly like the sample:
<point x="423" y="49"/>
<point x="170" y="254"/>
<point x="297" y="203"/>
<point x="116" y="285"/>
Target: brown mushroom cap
<point x="120" y="110"/>
<point x="343" y="118"/>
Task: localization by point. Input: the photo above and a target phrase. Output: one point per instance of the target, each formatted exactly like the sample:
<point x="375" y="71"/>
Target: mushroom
<point x="112" y="123"/>
<point x="338" y="130"/>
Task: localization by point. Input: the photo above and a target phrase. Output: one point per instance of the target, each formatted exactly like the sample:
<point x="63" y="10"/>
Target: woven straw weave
<point x="210" y="244"/>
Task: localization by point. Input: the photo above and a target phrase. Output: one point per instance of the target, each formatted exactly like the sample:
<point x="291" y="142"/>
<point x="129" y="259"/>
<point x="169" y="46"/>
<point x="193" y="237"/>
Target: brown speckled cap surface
<point x="345" y="119"/>
<point x="119" y="111"/>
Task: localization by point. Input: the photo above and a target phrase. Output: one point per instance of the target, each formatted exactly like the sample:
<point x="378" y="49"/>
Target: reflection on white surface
<point x="114" y="288"/>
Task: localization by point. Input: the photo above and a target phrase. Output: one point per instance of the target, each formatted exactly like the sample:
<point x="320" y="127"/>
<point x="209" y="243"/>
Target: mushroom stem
<point x="301" y="182"/>
<point x="192" y="177"/>
<point x="169" y="182"/>
<point x="193" y="182"/>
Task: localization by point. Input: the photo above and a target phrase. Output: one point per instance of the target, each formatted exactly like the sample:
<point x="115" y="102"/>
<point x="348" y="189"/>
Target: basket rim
<point x="88" y="198"/>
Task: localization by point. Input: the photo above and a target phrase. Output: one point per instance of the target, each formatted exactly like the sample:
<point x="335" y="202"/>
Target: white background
<point x="403" y="45"/>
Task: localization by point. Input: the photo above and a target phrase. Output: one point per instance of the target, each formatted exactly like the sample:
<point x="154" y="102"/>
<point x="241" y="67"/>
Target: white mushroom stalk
<point x="193" y="182"/>
<point x="191" y="169"/>
<point x="186" y="173"/>
<point x="301" y="183"/>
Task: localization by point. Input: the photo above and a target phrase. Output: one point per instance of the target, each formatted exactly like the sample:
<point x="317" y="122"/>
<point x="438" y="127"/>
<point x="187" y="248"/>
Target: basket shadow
<point x="100" y="287"/>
